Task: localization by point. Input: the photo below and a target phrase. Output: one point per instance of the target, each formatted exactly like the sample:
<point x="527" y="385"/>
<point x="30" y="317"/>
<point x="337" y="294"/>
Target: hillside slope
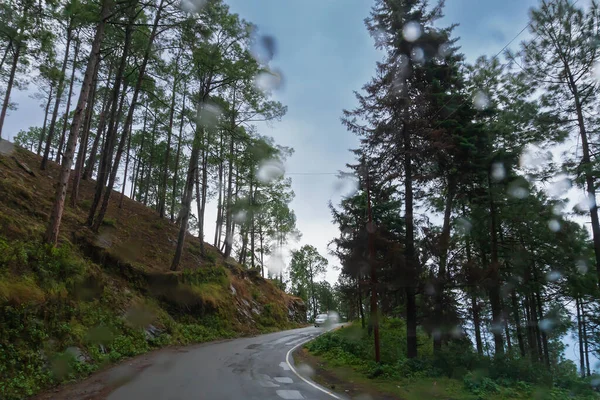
<point x="95" y="299"/>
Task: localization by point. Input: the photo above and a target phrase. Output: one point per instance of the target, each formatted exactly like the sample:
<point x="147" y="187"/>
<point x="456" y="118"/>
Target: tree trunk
<point x="515" y="307"/>
<point x="189" y="188"/>
<point x="61" y="143"/>
<point x="531" y="337"/>
<point x="106" y="104"/>
<point x="59" y="93"/>
<point x="126" y="168"/>
<point x="507" y="333"/>
<point x="61" y="190"/>
<point x="360" y="305"/>
<point x="441" y="278"/>
<point x="84" y="140"/>
<point x="580" y="334"/>
<point x="128" y="121"/>
<point x="176" y="176"/>
<point x="411" y="304"/>
<point x="140" y="155"/>
<point x="198" y="198"/>
<point x="494" y="278"/>
<point x="165" y="172"/>
<point x="228" y="222"/>
<point x="251" y="214"/>
<point x="46" y="110"/>
<point x="540" y="311"/>
<point x="115" y="114"/>
<point x="585" y="339"/>
<point x="10" y="83"/>
<point x="219" y="222"/>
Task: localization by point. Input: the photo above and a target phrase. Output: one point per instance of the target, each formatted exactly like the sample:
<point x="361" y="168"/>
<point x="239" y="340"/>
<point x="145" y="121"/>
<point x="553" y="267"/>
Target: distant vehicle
<point x="321" y="320"/>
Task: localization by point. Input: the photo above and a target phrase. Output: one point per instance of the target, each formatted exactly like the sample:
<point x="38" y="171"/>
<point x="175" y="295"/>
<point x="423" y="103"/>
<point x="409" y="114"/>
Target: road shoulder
<point x="342" y="380"/>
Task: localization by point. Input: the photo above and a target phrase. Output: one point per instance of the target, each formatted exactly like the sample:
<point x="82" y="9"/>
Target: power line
<point x="495" y="56"/>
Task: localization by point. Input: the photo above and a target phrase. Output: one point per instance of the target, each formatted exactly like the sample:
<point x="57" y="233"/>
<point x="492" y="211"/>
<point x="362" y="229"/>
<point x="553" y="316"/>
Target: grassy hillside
<point x="344" y="359"/>
<point x="96" y="299"/>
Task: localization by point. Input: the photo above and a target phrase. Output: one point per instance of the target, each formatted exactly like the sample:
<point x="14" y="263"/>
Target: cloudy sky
<point x="325" y="53"/>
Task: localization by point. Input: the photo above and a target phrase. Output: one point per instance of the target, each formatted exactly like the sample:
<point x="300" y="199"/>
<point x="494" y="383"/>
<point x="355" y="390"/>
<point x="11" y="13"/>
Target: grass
<point x="100" y="294"/>
<point x="345" y="358"/>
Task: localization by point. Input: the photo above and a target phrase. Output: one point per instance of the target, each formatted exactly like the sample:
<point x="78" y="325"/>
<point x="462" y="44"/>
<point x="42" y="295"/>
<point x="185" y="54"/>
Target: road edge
<point x="311" y="383"/>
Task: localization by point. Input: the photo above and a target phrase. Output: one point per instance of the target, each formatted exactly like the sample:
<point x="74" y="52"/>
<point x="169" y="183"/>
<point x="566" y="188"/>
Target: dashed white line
<point x="283" y="379"/>
<point x="286" y="367"/>
<point x="289" y="394"/>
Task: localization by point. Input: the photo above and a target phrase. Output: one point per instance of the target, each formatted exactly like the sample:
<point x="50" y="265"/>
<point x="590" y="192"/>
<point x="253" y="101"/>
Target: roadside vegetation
<point x="455" y="373"/>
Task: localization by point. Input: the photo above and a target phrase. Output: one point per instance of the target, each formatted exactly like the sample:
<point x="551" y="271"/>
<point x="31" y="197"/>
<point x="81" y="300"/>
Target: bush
<point x="479" y="384"/>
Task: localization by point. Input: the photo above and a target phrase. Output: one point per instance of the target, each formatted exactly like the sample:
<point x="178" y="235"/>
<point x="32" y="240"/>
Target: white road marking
<point x="283" y="379"/>
<point x="286" y="367"/>
<point x="289" y="394"/>
<point x="287" y="360"/>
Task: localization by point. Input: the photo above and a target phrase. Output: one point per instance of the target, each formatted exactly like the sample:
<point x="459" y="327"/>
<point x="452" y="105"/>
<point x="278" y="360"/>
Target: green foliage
<point x="109" y="222"/>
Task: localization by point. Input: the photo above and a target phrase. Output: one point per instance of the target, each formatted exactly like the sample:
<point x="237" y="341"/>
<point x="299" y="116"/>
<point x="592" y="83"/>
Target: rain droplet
<point x="553" y="276"/>
<point x="444" y="50"/>
<point x="582" y="267"/>
<point x="558" y="208"/>
<point x="457" y="332"/>
<point x="264" y="48"/>
<point x="481" y="101"/>
<point x="547" y="324"/>
<point x="595" y="382"/>
<point x="276" y="262"/>
<point x="208" y="115"/>
<point x="518" y="192"/>
<point x="464" y="225"/>
<point x="412" y="31"/>
<point x="270" y="170"/>
<point x="192" y="6"/>
<point x="586" y="202"/>
<point x="498" y="171"/>
<point x="534" y="156"/>
<point x="554" y="225"/>
<point x="240" y="217"/>
<point x="346" y="186"/>
<point x="560" y="187"/>
<point x="497" y="327"/>
<point x="305" y="370"/>
<point x="429" y="289"/>
<point x="436" y="333"/>
<point x="268" y="81"/>
<point x="417" y="55"/>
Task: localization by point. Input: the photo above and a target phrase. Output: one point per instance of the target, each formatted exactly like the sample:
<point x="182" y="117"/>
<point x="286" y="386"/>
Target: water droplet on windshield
<point x="586" y="203"/>
<point x="481" y="101"/>
<point x="270" y="170"/>
<point x="6" y="147"/>
<point x="464" y="225"/>
<point x="276" y="262"/>
<point x="192" y="6"/>
<point x="305" y="370"/>
<point x="498" y="171"/>
<point x="412" y="31"/>
<point x="560" y="187"/>
<point x="596" y="71"/>
<point x="582" y="267"/>
<point x="444" y="50"/>
<point x="517" y="191"/>
<point x="417" y="55"/>
<point x="208" y="115"/>
<point x="554" y="225"/>
<point x="553" y="276"/>
<point x="264" y="48"/>
<point x="547" y="324"/>
<point x="240" y="217"/>
<point x="346" y="186"/>
<point x="457" y="332"/>
<point x="497" y="327"/>
<point x="268" y="81"/>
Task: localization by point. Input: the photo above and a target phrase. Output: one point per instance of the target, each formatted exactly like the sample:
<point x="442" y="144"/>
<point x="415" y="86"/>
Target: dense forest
<point x="168" y="95"/>
<point x="462" y="225"/>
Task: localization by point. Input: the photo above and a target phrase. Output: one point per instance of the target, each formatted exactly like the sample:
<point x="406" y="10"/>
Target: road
<point x="247" y="368"/>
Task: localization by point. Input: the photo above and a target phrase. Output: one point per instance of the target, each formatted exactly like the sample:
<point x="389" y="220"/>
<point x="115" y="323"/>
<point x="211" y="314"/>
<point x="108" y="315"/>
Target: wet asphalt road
<point x="248" y="368"/>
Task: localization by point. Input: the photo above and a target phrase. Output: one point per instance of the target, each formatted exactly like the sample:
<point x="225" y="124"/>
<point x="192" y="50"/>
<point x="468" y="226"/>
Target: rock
<point x="152" y="332"/>
<point x="77" y="354"/>
<point x="233" y="291"/>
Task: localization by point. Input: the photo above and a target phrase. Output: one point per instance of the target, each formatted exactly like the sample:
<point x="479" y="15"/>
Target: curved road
<point x="258" y="368"/>
<point x="249" y="368"/>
